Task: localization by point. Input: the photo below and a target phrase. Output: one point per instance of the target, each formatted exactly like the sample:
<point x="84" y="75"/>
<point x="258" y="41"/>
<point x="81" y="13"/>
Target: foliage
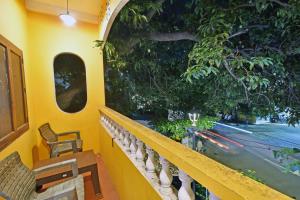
<point x="285" y="152"/>
<point x="248" y="49"/>
<point x="252" y="174"/>
<point x="177" y="129"/>
<point x="246" y="118"/>
<point x="293" y="166"/>
<point x="243" y="56"/>
<point x="201" y="192"/>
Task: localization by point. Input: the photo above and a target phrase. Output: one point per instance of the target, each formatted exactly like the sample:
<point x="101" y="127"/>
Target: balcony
<point x="135" y="162"/>
<point x="130" y="143"/>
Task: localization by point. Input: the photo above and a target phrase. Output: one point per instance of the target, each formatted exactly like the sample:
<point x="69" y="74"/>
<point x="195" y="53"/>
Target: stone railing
<point x="145" y="147"/>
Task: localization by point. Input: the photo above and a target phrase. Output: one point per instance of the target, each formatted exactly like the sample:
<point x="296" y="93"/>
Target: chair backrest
<point x="47" y="133"/>
<point x="17" y="181"/>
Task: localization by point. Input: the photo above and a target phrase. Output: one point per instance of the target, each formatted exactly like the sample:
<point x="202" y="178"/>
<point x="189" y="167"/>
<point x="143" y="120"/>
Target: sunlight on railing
<point x="145" y="147"/>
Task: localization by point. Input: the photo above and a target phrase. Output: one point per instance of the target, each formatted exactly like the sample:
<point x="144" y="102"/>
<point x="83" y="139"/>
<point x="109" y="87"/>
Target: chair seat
<point x="74" y="185"/>
<point x="61" y="148"/>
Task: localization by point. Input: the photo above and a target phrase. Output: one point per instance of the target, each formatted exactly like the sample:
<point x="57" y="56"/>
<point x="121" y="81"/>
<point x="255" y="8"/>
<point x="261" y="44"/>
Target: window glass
<point x="5" y="106"/>
<point x="70" y="82"/>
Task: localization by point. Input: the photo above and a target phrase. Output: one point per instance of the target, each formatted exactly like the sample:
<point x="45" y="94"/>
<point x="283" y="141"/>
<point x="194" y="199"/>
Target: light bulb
<point x="67" y="19"/>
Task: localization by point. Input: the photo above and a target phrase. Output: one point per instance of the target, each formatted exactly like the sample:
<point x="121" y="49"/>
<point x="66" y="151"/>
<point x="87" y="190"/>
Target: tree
<point x="219" y="56"/>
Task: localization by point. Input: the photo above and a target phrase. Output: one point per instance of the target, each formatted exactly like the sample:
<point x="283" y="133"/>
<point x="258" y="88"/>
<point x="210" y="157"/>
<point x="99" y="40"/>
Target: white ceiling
<point x="83" y="10"/>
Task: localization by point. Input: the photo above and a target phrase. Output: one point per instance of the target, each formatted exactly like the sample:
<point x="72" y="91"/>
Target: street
<point x="254" y="151"/>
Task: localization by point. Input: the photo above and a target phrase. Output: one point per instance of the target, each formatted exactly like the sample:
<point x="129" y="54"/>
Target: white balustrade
<point x="113" y="128"/>
<point x="116" y="132"/>
<point x="121" y="136"/>
<point x="150" y="165"/>
<point x="166" y="179"/>
<point x="108" y="124"/>
<point x="163" y="182"/>
<point x="133" y="147"/>
<point x="185" y="192"/>
<point x="126" y="141"/>
<point x="140" y="154"/>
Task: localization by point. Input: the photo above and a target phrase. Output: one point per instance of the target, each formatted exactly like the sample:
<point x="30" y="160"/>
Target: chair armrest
<point x="69" y="133"/>
<point x="73" y="143"/>
<point x="71" y="162"/>
<point x="70" y="193"/>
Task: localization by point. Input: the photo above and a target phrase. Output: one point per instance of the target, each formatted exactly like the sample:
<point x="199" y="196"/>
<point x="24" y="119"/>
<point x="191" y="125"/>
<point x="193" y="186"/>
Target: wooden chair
<point x="18" y="182"/>
<point x="58" y="147"/>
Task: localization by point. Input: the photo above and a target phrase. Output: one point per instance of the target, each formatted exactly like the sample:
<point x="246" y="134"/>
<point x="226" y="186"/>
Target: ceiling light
<point x="67" y="18"/>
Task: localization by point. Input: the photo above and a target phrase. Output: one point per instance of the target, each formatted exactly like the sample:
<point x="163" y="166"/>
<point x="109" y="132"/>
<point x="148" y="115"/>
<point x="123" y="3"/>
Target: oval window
<point x="70" y="82"/>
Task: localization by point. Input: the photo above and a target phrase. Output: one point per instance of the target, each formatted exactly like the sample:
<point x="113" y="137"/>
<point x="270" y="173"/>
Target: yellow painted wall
<point x="129" y="183"/>
<point x="13" y="26"/>
<point x="47" y="37"/>
<point x="41" y="37"/>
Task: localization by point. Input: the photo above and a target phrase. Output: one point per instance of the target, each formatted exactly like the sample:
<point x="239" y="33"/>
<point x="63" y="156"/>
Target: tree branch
<point x="241" y="6"/>
<point x="238" y="79"/>
<point x="280" y="3"/>
<point x="238" y="33"/>
<point x="258" y="26"/>
<point x="166" y="37"/>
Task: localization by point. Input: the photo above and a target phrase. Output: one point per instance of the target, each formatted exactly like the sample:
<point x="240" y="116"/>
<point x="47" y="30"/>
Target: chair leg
<point x="53" y="154"/>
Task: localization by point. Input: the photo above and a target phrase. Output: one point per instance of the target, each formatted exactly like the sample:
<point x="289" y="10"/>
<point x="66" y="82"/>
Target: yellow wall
<point x="41" y="37"/>
<point x="13" y="26"/>
<point x="47" y="37"/>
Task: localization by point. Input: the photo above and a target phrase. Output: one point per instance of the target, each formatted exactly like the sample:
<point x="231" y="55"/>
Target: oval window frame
<point x="54" y="81"/>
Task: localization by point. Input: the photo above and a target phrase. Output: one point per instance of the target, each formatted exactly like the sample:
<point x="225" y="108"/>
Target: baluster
<point x="150" y="165"/>
<point x="112" y="130"/>
<point x="126" y="141"/>
<point x="105" y="121"/>
<point x="133" y="147"/>
<point x="212" y="196"/>
<point x="117" y="132"/>
<point x="185" y="192"/>
<point x="108" y="124"/>
<point x="140" y="154"/>
<point x="121" y="136"/>
<point x="166" y="179"/>
<point x="112" y="123"/>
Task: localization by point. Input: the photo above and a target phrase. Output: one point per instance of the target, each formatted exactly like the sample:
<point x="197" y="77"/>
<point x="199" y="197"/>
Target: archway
<point x="111" y="12"/>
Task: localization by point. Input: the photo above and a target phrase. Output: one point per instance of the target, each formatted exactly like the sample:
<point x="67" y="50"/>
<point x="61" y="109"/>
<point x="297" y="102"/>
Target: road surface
<point x="255" y="152"/>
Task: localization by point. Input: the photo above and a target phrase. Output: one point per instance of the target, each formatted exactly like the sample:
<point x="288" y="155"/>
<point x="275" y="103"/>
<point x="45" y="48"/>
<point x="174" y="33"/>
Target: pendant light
<point x="67" y="18"/>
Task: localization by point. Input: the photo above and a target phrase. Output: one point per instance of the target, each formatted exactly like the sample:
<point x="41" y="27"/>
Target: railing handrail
<point x="226" y="183"/>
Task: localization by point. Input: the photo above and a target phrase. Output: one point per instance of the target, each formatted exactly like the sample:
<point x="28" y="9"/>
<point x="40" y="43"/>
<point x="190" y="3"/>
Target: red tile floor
<point x="107" y="188"/>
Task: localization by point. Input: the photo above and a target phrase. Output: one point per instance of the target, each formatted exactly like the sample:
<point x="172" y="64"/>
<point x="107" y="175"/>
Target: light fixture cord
<point x="67" y="6"/>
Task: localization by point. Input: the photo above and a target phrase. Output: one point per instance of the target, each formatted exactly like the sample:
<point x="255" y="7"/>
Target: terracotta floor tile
<point x="107" y="188"/>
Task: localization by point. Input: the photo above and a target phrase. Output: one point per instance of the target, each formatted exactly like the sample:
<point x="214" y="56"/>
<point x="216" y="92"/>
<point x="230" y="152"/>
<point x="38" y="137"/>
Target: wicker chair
<point x="58" y="147"/>
<point x="18" y="182"/>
